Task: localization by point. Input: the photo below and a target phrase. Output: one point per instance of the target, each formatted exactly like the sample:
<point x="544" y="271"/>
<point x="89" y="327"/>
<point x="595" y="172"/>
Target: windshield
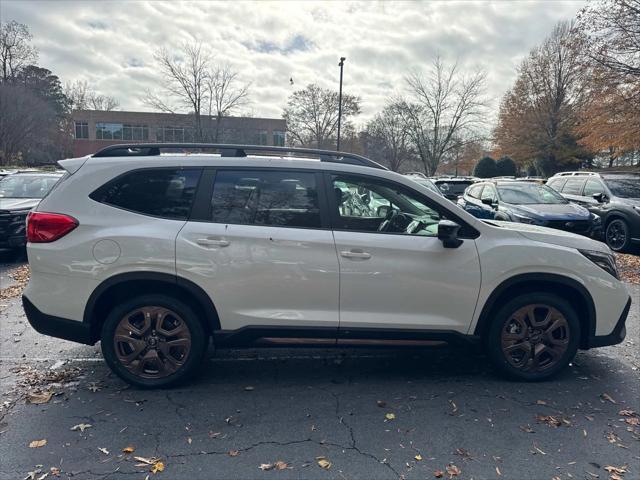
<point x="529" y="194"/>
<point x="26" y="186"/>
<point x="624" y="187"/>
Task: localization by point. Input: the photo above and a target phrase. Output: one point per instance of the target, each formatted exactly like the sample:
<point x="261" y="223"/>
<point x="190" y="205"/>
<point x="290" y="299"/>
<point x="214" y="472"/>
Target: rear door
<point x="259" y="244"/>
<point x="572" y="189"/>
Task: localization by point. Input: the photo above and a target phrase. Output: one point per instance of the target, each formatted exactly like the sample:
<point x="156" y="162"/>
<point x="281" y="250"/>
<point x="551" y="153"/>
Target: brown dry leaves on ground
<point x="629" y="267"/>
<point x="21" y="276"/>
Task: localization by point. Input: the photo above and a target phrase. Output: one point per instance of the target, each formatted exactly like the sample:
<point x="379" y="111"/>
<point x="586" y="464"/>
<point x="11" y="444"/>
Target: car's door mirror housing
<point x="600" y="197"/>
<point x="448" y="234"/>
<point x="490" y="202"/>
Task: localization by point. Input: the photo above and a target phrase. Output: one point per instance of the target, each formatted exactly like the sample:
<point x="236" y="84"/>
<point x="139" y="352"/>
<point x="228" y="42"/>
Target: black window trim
<point x="202" y="206"/>
<point x="117" y="177"/>
<point x="466" y="230"/>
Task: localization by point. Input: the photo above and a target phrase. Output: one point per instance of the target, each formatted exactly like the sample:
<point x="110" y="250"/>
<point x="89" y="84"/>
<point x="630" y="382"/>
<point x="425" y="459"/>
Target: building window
<point x="278" y="138"/>
<point x="82" y="130"/>
<point x="135" y="132"/>
<point x="261" y="137"/>
<point x="174" y="134"/>
<point x="108" y="131"/>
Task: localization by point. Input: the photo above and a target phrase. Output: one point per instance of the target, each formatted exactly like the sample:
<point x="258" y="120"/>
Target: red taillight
<point x="45" y="227"/>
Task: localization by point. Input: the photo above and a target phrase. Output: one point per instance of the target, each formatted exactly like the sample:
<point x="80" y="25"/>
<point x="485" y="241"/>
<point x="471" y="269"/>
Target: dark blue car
<point x="530" y="203"/>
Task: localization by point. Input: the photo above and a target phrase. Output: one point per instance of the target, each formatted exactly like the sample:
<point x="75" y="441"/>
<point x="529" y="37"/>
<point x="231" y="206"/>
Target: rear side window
<point x="573" y="186"/>
<point x="557" y="183"/>
<point x="162" y="192"/>
<point x="273" y="198"/>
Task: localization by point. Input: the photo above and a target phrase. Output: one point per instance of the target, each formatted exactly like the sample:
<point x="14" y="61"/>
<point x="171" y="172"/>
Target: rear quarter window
<point x="162" y="192"/>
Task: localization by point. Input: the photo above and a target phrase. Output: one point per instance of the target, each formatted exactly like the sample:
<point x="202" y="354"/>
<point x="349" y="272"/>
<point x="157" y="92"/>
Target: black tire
<point x="562" y="341"/>
<point x="617" y="235"/>
<point x="183" y="364"/>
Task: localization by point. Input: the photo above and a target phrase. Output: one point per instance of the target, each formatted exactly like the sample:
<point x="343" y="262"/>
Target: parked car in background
<point x="424" y="181"/>
<point x="614" y="197"/>
<point x="528" y="202"/>
<point x="19" y="193"/>
<point x="453" y="187"/>
<point x="156" y="255"/>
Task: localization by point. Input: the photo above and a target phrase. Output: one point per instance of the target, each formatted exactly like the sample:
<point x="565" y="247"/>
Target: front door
<point x="263" y="252"/>
<point x="394" y="271"/>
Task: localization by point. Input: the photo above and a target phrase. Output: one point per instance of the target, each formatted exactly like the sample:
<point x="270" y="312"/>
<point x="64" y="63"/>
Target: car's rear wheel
<point x="533" y="337"/>
<point x="153" y="341"/>
<point x="617" y="235"/>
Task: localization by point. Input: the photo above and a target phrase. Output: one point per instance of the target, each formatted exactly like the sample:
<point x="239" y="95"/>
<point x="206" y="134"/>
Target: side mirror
<point x="490" y="202"/>
<point x="600" y="197"/>
<point x="448" y="234"/>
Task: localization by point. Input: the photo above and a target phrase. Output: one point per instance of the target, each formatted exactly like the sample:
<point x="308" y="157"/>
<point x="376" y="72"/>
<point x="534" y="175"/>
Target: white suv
<point x="154" y="254"/>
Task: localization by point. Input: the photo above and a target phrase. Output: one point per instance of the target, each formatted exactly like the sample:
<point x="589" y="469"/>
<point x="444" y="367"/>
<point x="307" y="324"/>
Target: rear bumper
<point x="72" y="330"/>
<point x="617" y="335"/>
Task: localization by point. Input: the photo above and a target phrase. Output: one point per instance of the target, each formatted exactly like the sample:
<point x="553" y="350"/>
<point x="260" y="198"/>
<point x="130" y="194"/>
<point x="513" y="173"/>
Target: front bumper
<point x="617" y="335"/>
<point x="55" y="326"/>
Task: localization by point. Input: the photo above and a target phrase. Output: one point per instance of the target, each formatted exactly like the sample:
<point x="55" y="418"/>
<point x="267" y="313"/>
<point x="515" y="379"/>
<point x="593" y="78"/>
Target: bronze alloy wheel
<point x="152" y="342"/>
<point x="535" y="338"/>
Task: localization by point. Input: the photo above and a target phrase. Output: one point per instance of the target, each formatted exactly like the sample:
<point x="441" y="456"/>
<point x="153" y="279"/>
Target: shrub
<point x="506" y="167"/>
<point x="486" y="168"/>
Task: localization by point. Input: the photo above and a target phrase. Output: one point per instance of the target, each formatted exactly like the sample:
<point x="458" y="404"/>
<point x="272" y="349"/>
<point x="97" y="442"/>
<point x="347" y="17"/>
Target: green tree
<point x="486" y="168"/>
<point x="506" y="167"/>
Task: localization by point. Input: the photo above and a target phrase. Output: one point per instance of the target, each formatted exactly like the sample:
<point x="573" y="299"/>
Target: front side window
<point x="573" y="186"/>
<point x="370" y="205"/>
<point x="162" y="192"/>
<point x="269" y="198"/>
<point x="592" y="187"/>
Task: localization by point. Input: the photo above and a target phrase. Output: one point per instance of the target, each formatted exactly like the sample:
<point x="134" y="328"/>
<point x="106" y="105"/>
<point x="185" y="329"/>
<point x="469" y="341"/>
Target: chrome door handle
<point x="355" y="254"/>
<point x="210" y="242"/>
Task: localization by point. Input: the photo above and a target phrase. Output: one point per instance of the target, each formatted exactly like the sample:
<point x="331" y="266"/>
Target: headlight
<point x="529" y="220"/>
<point x="605" y="261"/>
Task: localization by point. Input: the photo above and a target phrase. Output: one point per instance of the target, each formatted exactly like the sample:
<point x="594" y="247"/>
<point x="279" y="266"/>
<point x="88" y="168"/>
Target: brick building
<point x="95" y="129"/>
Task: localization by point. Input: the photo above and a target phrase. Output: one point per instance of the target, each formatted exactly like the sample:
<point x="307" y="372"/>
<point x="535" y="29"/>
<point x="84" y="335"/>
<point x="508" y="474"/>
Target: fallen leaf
<point x="146" y="461"/>
<point x="55" y="471"/>
<point x="81" y="426"/>
<point x="38" y="443"/>
<point x="452" y="470"/>
<point x="93" y="387"/>
<point x="634" y="421"/>
<point x="266" y="466"/>
<point x="234" y="453"/>
<point x="627" y="413"/>
<point x="104" y="450"/>
<point x="381" y="403"/>
<point x="280" y="465"/>
<point x="541" y="402"/>
<point x="390" y="416"/>
<point x="438" y="474"/>
<point x="189" y="440"/>
<point x="324" y="463"/>
<point x="619" y="470"/>
<point x="157" y="467"/>
<point x="418" y="457"/>
<point x="38" y="398"/>
<point x="607" y="397"/>
<point x="527" y="428"/>
<point x="498" y="471"/>
<point x="129" y="449"/>
<point x="454" y="407"/>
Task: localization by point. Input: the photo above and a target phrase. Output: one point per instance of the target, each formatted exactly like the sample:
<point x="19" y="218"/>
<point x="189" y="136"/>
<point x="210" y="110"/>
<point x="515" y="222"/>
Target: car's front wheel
<point x="153" y="341"/>
<point x="533" y="337"/>
<point x="617" y="235"/>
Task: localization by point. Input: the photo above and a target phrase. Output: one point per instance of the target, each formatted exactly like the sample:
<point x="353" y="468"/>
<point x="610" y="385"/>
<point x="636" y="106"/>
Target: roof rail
<point x="230" y="150"/>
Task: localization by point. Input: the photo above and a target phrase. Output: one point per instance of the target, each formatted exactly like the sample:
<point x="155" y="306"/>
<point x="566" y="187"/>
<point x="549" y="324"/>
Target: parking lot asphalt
<point x="340" y="414"/>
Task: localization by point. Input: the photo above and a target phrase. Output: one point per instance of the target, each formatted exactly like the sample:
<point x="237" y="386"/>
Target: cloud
<point x="111" y="44"/>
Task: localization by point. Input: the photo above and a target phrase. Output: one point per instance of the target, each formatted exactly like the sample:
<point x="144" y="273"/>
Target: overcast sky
<point x="111" y="44"/>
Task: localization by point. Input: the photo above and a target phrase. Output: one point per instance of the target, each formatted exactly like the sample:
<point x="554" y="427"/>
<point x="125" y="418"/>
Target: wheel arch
<point x="126" y="285"/>
<point x="568" y="288"/>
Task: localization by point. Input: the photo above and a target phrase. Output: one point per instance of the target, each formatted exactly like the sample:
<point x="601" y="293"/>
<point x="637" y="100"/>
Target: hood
<point x="552" y="211"/>
<point x="634" y="202"/>
<point x="18" y="203"/>
<point x="553" y="236"/>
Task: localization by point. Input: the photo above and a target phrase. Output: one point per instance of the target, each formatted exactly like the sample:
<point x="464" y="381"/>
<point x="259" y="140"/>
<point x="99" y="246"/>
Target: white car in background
<point x="155" y="255"/>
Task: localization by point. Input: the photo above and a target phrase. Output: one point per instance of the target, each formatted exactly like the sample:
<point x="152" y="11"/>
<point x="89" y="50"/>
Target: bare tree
<point x="444" y="104"/>
<point x="386" y="138"/>
<point x="312" y="115"/>
<point x="191" y="80"/>
<point x="82" y="97"/>
<point x="225" y="94"/>
<point x="16" y="50"/>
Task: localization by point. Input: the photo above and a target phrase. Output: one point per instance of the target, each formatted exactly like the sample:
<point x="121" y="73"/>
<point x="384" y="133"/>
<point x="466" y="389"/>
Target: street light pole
<point x="341" y="65"/>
